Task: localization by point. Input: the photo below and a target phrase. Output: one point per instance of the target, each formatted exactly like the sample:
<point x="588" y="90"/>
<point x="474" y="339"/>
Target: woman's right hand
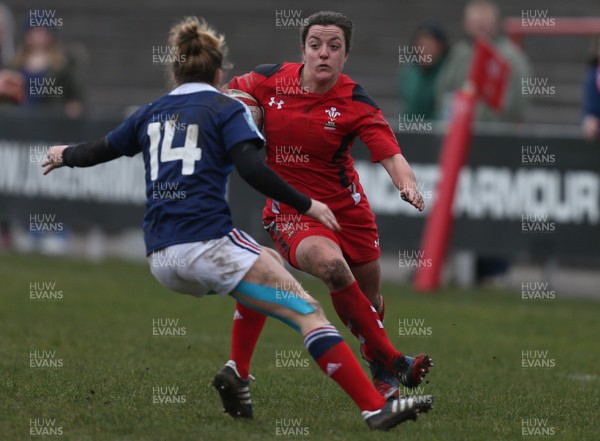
<point x="54" y="159"/>
<point x="323" y="214"/>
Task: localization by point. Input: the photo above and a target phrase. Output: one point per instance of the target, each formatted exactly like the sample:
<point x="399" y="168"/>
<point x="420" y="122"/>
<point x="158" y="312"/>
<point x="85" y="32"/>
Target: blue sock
<point x="320" y="340"/>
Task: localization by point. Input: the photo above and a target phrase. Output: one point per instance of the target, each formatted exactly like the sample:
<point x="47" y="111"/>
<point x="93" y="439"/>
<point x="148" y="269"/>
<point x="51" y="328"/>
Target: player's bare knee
<point x="335" y="273"/>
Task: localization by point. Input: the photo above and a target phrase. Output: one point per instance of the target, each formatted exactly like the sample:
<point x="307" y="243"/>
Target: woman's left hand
<point x="413" y="197"/>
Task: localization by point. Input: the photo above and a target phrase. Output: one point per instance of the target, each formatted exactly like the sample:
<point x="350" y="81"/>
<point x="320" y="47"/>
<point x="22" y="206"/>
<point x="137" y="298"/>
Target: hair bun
<point x="200" y="49"/>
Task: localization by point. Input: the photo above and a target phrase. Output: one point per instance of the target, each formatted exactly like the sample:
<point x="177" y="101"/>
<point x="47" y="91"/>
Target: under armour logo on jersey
<point x="332" y="367"/>
<point x="376" y="243"/>
<point x="237" y="315"/>
<point x="279" y="103"/>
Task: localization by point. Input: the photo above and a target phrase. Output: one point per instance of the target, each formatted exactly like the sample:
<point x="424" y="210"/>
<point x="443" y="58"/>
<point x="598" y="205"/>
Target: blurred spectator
<point x="12" y="86"/>
<point x="50" y="74"/>
<point x="591" y="97"/>
<point x="7" y="36"/>
<point x="418" y="80"/>
<point x="482" y="21"/>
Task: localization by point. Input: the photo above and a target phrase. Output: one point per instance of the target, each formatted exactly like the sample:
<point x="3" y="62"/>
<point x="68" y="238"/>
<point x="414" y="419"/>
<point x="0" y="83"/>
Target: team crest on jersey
<point x="279" y="103"/>
<point x="332" y="114"/>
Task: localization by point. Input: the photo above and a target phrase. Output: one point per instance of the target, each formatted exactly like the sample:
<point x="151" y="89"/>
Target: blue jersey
<point x="185" y="137"/>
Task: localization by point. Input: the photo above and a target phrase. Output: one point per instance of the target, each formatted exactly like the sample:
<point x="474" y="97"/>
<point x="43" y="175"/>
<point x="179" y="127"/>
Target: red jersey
<point x="309" y="136"/>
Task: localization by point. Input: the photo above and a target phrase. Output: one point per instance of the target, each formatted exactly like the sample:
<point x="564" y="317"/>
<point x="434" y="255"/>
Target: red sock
<point x="247" y="325"/>
<point x="368" y="352"/>
<point x="356" y="312"/>
<point x="335" y="358"/>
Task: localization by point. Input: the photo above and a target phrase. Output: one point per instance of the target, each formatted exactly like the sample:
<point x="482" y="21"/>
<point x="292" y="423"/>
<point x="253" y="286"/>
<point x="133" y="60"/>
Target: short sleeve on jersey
<point x="376" y="133"/>
<point x="124" y="137"/>
<point x="373" y="128"/>
<point x="238" y="126"/>
<point x="267" y="70"/>
<point x="251" y="80"/>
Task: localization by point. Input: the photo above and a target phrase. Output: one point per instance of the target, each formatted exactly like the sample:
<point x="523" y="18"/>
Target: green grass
<point x="102" y="332"/>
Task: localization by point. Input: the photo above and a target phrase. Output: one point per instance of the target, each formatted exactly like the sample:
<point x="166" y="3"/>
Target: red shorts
<point x="358" y="239"/>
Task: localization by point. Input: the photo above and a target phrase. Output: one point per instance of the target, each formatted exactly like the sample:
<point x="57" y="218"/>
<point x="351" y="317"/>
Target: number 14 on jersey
<point x="188" y="154"/>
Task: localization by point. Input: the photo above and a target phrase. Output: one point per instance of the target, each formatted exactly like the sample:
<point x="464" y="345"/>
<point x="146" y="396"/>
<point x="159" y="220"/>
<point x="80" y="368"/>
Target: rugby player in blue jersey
<point x="191" y="139"/>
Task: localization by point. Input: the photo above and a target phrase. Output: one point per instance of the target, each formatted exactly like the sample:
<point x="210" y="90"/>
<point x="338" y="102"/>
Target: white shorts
<point x="208" y="267"/>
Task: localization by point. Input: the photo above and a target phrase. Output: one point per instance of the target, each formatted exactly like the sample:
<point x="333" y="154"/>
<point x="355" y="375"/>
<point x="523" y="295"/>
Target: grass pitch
<point x="103" y="352"/>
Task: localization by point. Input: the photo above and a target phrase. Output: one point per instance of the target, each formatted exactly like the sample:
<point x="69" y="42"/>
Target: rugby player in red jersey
<point x="313" y="114"/>
<point x="217" y="133"/>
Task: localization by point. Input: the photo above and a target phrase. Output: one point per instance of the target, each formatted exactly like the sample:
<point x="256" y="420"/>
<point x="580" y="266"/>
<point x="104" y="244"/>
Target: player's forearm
<point x="400" y="172"/>
<point x="87" y="154"/>
<point x="271" y="185"/>
<point x="254" y="171"/>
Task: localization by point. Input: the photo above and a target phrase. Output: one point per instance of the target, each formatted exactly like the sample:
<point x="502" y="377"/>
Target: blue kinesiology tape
<point x="274" y="295"/>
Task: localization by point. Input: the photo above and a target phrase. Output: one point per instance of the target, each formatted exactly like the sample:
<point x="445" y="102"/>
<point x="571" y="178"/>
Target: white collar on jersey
<point x="186" y="88"/>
